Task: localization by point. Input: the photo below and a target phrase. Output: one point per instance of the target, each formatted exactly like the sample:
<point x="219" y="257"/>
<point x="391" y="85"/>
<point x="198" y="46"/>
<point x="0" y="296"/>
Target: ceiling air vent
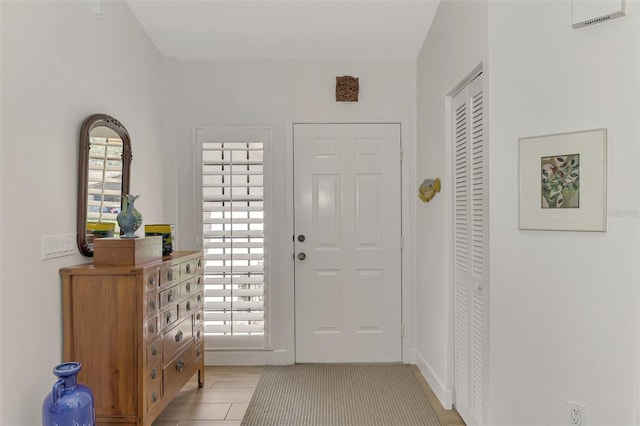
<point x="585" y="13"/>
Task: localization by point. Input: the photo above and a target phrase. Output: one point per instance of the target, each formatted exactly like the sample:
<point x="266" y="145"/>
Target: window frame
<point x="239" y="134"/>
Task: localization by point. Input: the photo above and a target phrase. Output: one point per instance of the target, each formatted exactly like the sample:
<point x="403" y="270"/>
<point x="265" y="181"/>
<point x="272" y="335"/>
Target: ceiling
<point x="295" y="29"/>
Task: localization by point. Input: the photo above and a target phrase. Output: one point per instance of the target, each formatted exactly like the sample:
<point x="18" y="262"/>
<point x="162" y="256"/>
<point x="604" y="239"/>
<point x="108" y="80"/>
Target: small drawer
<point x="179" y="370"/>
<point x="154" y="352"/>
<point x="175" y="339"/>
<point x="199" y="283"/>
<point x="153" y="397"/>
<point x="187" y="288"/>
<point x="169" y="296"/>
<point x="152" y="280"/>
<point x="152" y="328"/>
<point x="188" y="306"/>
<point x="198" y="316"/>
<point x="198" y="332"/>
<point x="154" y="375"/>
<point x="152" y="304"/>
<point x="169" y="275"/>
<point x="198" y="350"/>
<point x="188" y="269"/>
<point x="169" y="316"/>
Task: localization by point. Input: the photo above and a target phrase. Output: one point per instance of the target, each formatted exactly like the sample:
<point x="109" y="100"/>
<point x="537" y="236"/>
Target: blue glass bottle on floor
<point x="69" y="403"/>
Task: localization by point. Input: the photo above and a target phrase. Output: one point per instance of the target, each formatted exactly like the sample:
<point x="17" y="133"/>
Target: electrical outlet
<point x="577" y="414"/>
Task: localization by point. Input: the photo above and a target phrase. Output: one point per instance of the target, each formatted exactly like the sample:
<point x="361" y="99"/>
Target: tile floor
<point x="226" y="395"/>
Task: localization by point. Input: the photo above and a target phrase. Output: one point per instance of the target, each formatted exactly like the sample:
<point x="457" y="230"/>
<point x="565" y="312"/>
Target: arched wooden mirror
<point x="103" y="176"/>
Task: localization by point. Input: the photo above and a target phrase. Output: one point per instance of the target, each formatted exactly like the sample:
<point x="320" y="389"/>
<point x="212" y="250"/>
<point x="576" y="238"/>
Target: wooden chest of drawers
<point x="138" y="332"/>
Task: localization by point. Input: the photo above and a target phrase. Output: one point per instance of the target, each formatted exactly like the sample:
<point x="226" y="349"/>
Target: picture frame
<point x="563" y="181"/>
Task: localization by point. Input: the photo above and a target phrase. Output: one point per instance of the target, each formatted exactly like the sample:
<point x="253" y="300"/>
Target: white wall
<point x="564" y="305"/>
<point x="268" y="93"/>
<point x="60" y="63"/>
<point x="456" y="44"/>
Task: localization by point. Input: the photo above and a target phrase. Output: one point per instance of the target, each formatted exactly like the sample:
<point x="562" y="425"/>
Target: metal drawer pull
<point x="154" y="373"/>
<point x="198" y="334"/>
<point x="179" y="336"/>
<point x="188" y="287"/>
<point x="152" y="327"/>
<point x="180" y="365"/>
<point x="189" y="305"/>
<point x="188" y="268"/>
<point x="198" y="316"/>
<point x="154" y="349"/>
<point x="199" y="298"/>
<point x="199" y="263"/>
<point x="152" y="304"/>
<point x="154" y="396"/>
<point x="170" y="295"/>
<point x="168" y="317"/>
<point x="170" y="274"/>
<point x="198" y="351"/>
<point x="152" y="281"/>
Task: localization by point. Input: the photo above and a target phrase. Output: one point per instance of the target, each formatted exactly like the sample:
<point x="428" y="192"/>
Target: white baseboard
<point x="246" y="357"/>
<point x="409" y="356"/>
<point x="444" y="394"/>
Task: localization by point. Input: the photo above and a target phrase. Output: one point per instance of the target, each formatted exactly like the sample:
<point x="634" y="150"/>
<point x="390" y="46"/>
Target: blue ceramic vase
<point x="129" y="219"/>
<point x="69" y="403"/>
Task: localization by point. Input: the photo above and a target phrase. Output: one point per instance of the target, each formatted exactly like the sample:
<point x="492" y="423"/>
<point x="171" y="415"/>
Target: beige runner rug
<point x="339" y="395"/>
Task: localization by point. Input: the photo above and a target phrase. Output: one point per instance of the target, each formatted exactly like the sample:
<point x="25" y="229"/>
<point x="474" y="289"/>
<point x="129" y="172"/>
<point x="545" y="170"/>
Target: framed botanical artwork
<point x="563" y="181"/>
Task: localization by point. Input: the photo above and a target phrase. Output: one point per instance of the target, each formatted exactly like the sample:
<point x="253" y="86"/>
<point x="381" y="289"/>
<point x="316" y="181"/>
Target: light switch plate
<point x="58" y="245"/>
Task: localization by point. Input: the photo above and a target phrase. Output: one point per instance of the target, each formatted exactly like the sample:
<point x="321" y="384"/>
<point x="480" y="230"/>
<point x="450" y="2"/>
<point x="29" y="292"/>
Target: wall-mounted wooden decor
<point x="428" y="189"/>
<point x="347" y="89"/>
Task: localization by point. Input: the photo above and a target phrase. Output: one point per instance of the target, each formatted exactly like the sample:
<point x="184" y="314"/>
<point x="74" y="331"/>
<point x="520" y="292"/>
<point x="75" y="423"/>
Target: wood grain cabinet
<point x="138" y="332"/>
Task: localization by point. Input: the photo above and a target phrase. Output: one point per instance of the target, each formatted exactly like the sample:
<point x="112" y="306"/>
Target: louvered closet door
<point x="470" y="254"/>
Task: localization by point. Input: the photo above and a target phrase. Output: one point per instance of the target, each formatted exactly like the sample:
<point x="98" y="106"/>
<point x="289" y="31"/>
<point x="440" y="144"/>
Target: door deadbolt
<point x="301" y="238"/>
<point x="302" y="256"/>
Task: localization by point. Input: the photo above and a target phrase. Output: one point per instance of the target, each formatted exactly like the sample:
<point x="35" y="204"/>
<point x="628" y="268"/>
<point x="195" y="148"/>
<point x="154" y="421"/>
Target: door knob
<point x="302" y="256"/>
<point x="301" y="238"/>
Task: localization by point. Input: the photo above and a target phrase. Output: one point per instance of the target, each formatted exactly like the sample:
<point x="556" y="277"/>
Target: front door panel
<point x="348" y="264"/>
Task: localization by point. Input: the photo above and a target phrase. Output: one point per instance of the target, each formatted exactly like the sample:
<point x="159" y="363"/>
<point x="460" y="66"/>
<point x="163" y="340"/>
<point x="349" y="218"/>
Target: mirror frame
<point x="91" y="122"/>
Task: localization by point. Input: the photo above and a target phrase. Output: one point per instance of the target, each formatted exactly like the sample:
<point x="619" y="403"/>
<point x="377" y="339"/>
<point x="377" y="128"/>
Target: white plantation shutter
<point x="233" y="206"/>
<point x="470" y="247"/>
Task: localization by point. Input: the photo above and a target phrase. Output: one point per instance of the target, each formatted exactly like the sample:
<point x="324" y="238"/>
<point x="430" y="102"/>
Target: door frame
<point x="408" y="208"/>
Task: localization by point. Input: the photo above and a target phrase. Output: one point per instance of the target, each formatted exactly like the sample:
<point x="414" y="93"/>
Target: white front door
<point x="347" y="242"/>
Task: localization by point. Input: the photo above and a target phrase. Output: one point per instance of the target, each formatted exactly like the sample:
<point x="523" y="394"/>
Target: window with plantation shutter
<point x="232" y="194"/>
